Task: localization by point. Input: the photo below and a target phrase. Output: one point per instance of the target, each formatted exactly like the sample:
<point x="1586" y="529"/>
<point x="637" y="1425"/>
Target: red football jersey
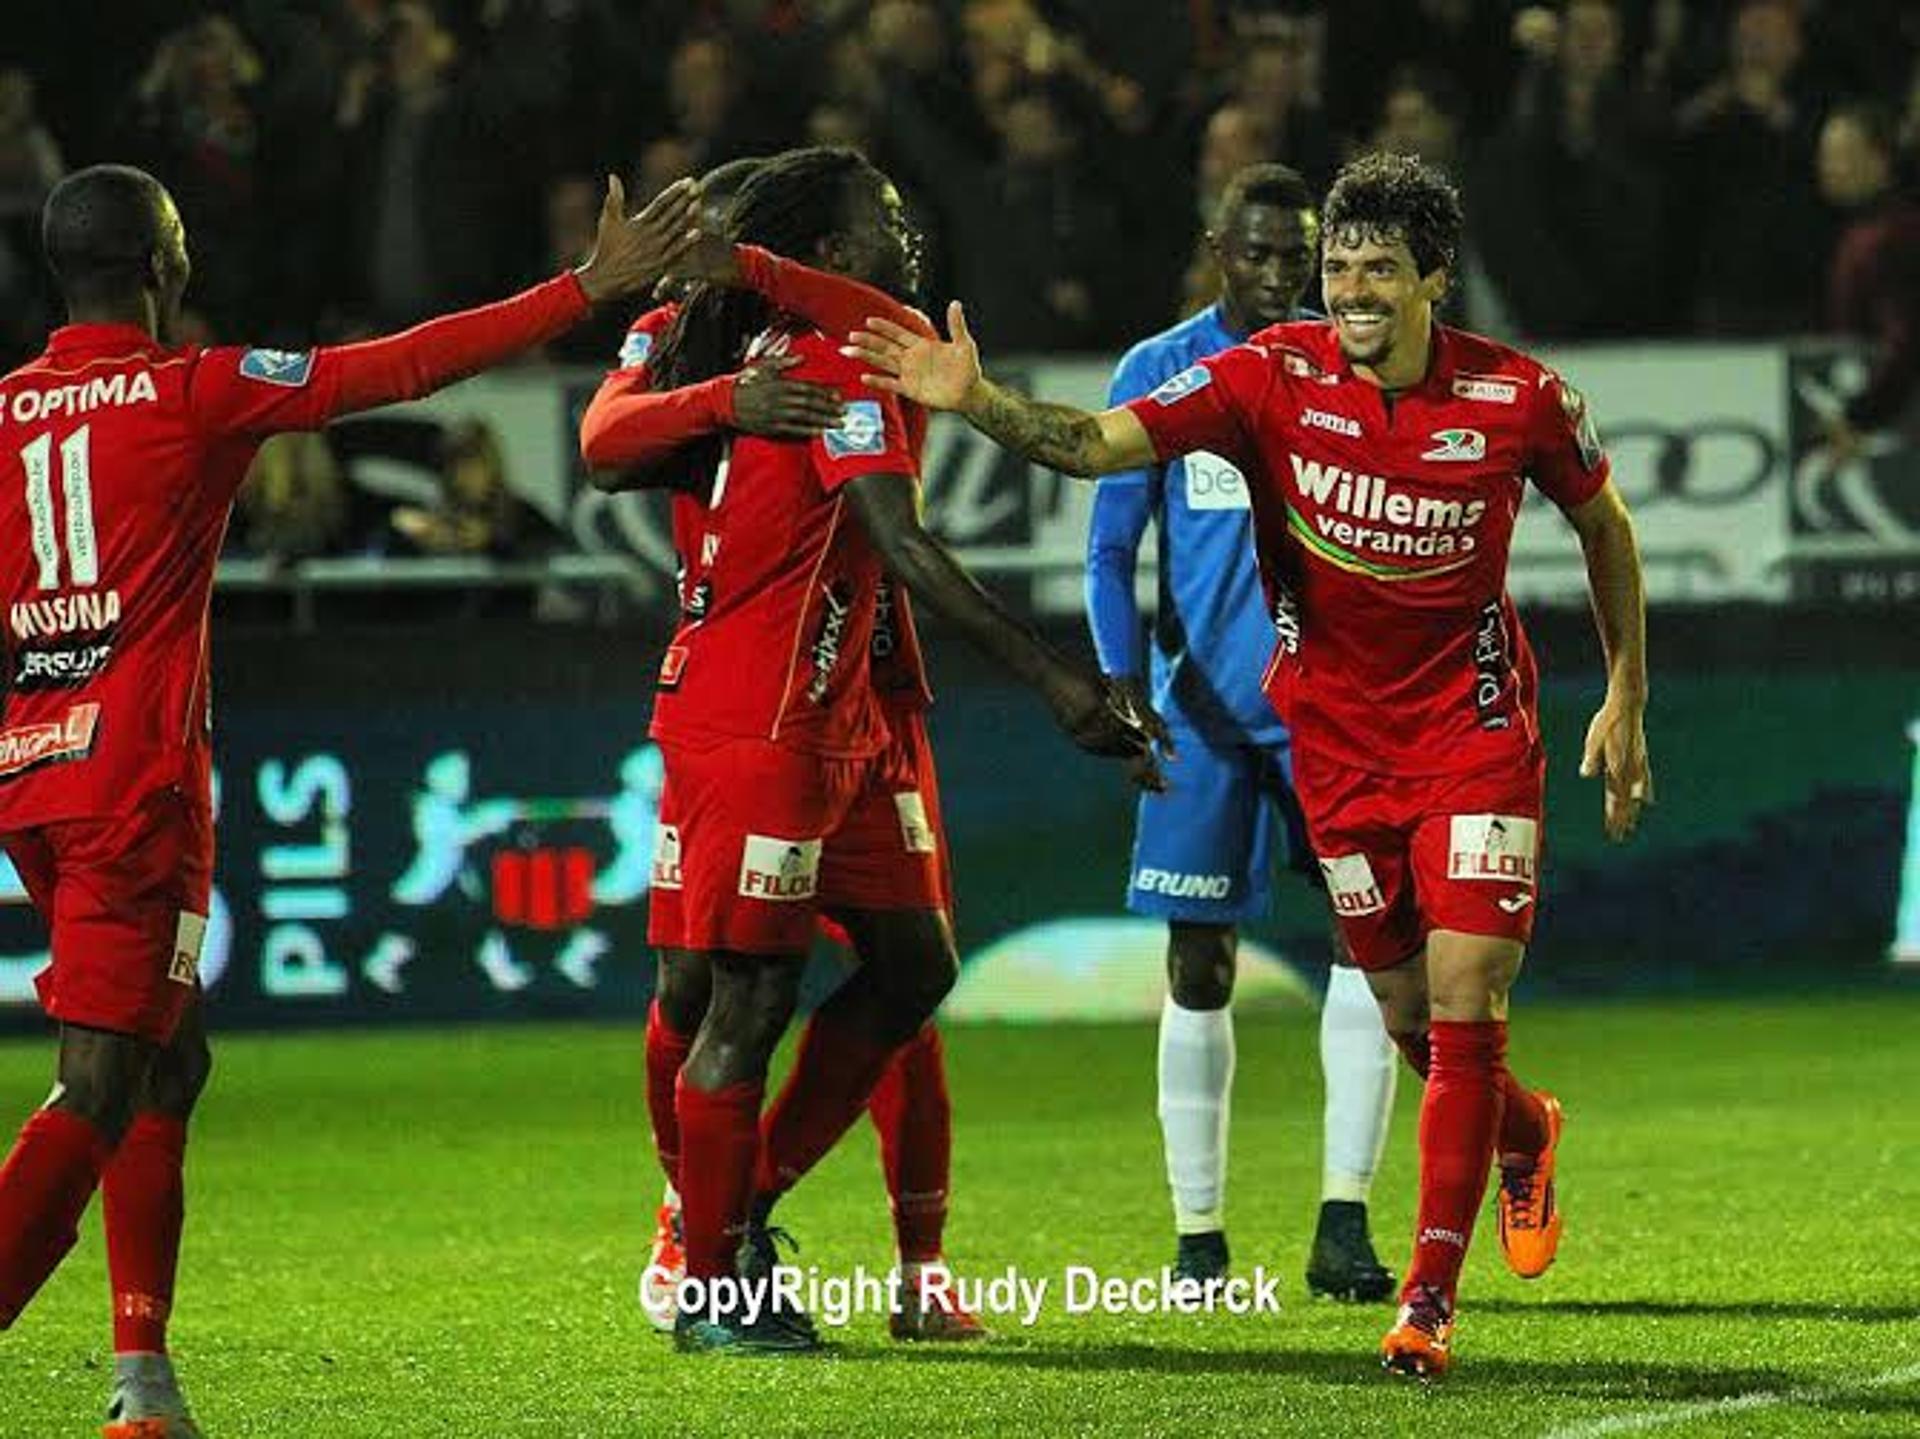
<point x="1382" y="524"/>
<point x="119" y="461"/>
<point x="780" y="645"/>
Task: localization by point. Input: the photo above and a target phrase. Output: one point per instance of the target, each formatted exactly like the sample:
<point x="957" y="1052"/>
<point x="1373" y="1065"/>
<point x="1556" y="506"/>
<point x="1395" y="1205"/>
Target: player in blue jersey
<point x="1204" y="849"/>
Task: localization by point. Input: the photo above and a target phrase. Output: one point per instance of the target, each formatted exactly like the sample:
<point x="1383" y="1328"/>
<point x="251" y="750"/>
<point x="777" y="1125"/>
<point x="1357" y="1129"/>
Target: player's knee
<point x="684" y="988"/>
<point x="752" y="1005"/>
<point x="922" y="991"/>
<point x="179" y="1077"/>
<point x="1200" y="964"/>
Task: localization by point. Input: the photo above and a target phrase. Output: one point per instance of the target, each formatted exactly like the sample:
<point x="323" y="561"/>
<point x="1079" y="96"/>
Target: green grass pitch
<point x="438" y="1234"/>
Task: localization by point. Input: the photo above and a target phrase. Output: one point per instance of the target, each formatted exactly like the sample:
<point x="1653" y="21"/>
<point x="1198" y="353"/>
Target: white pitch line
<point x="1756" y="1399"/>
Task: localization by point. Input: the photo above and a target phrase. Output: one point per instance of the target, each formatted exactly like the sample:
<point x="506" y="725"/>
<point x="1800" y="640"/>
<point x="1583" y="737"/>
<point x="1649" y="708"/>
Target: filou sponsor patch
<point x="1493" y="848"/>
<point x="1351" y="886"/>
<point x="780" y="871"/>
<point x="916" y="831"/>
<point x="666" y="858"/>
<point x="188" y="935"/>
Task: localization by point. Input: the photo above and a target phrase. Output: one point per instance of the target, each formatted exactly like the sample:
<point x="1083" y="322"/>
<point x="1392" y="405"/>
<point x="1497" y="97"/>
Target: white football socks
<point x="1196" y="1079"/>
<point x="1358" y="1062"/>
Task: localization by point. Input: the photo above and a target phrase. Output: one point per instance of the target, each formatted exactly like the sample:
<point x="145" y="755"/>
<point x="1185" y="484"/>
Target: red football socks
<point x="914" y="1117"/>
<point x="143" y="1195"/>
<point x="833" y="1078"/>
<point x="1459" y="1119"/>
<point x="719" y="1137"/>
<point x="666" y="1051"/>
<point x="1523" y="1118"/>
<point x="44" y="1188"/>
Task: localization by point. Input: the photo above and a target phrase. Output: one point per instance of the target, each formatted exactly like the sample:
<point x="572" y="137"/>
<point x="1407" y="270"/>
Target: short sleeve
<point x="1564" y="456"/>
<point x="1206" y="406"/>
<point x="871" y="438"/>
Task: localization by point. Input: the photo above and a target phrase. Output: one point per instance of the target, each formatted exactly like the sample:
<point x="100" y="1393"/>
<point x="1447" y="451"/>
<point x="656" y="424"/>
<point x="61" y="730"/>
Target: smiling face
<point x="1382" y="306"/>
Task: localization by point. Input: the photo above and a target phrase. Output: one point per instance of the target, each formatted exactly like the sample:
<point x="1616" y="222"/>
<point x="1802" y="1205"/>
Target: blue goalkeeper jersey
<point x="1212" y="637"/>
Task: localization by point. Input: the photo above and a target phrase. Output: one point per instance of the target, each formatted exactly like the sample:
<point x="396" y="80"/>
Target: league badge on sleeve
<point x="635" y="349"/>
<point x="1194" y="377"/>
<point x="288" y="368"/>
<point x="862" y="431"/>
<point x="1586" y="437"/>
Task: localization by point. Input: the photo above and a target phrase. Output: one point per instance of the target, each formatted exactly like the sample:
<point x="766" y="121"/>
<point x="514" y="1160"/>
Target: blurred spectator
<point x="30" y="166"/>
<point x="195" y="121"/>
<point x="704" y="87"/>
<point x="1369" y="40"/>
<point x="1423" y="114"/>
<point x="477" y="514"/>
<point x="1572" y="180"/>
<point x="1746" y="197"/>
<point x="295" y="504"/>
<point x="1874" y="289"/>
<point x="1271" y="87"/>
<point x="438" y="170"/>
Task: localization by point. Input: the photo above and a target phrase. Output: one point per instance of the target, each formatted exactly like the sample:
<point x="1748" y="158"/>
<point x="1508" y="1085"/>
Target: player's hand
<point x="939" y="374"/>
<point x="1146" y="771"/>
<point x="766" y="403"/>
<point x="1616" y="751"/>
<point x="631" y="254"/>
<point x="710" y="260"/>
<point x="1098" y="716"/>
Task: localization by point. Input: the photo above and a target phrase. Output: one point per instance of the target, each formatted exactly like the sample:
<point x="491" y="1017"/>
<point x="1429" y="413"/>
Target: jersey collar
<point x="72" y="339"/>
<point x="1442" y="360"/>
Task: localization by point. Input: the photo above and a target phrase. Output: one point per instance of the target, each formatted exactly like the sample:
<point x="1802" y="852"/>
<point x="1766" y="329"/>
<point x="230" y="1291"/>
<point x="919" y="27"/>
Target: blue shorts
<point x="1203" y="852"/>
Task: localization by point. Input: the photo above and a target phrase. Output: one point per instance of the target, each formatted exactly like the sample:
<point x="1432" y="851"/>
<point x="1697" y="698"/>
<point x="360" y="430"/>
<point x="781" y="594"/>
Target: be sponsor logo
<point x="781" y="871"/>
<point x="1214" y="483"/>
<point x="1493" y="849"/>
<point x="1351" y="885"/>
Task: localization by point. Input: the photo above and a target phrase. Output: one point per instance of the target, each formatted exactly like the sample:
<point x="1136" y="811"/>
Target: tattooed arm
<point x="946" y="375"/>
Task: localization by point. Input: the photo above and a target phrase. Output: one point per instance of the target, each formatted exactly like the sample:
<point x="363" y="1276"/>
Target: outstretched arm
<point x="946" y="375"/>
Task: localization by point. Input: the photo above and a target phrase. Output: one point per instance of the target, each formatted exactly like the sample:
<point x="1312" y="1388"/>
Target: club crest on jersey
<point x="635" y="349"/>
<point x="1187" y="382"/>
<point x="862" y="431"/>
<point x="278" y="367"/>
<point x="1457" y="445"/>
<point x="779" y="870"/>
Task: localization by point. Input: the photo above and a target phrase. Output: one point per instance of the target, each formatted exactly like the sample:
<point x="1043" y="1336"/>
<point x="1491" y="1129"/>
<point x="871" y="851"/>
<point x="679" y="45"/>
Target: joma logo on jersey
<point x="102" y="393"/>
<point x="1458" y="445"/>
<point x="779" y="870"/>
<point x="1339" y="424"/>
<point x="1493" y="848"/>
<point x="66" y="614"/>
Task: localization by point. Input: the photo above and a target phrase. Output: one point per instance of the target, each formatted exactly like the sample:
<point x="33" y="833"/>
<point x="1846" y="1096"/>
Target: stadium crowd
<point x="1634" y="167"/>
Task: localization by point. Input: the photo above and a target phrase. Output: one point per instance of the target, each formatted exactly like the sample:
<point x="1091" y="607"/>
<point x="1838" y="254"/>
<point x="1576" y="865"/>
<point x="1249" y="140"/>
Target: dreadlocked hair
<point x="1384" y="197"/>
<point x="788" y="205"/>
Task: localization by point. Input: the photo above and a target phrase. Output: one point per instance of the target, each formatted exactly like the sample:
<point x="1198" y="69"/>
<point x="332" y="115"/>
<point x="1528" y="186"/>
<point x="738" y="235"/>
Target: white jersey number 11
<point x="83" y="554"/>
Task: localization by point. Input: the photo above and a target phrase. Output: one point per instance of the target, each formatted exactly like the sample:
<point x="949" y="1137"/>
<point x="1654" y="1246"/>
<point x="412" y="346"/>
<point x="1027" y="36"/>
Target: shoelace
<point x="1518" y="1185"/>
<point x="1428" y="1310"/>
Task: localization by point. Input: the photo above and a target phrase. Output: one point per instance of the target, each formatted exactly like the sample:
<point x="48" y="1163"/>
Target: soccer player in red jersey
<point x="776" y="808"/>
<point x="628" y="430"/>
<point x="122" y="454"/>
<point x="1387" y="455"/>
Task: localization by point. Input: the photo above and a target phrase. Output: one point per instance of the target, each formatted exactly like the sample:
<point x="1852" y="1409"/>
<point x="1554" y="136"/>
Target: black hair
<point x="789" y="204"/>
<point x="1384" y="198"/>
<point x="1277" y="185"/>
<point x="100" y="228"/>
<point x="723" y="182"/>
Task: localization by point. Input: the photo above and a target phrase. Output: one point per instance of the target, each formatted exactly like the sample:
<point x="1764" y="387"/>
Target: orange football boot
<point x="1418" y="1345"/>
<point x="1529" y="1213"/>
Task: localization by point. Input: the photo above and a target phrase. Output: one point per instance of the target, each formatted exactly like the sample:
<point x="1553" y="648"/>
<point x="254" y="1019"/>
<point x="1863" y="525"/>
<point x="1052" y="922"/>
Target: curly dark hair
<point x="1384" y="197"/>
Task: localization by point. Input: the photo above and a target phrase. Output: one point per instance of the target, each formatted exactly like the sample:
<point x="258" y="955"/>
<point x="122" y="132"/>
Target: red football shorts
<point x="1404" y="856"/>
<point x="126" y="899"/>
<point x="892" y="851"/>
